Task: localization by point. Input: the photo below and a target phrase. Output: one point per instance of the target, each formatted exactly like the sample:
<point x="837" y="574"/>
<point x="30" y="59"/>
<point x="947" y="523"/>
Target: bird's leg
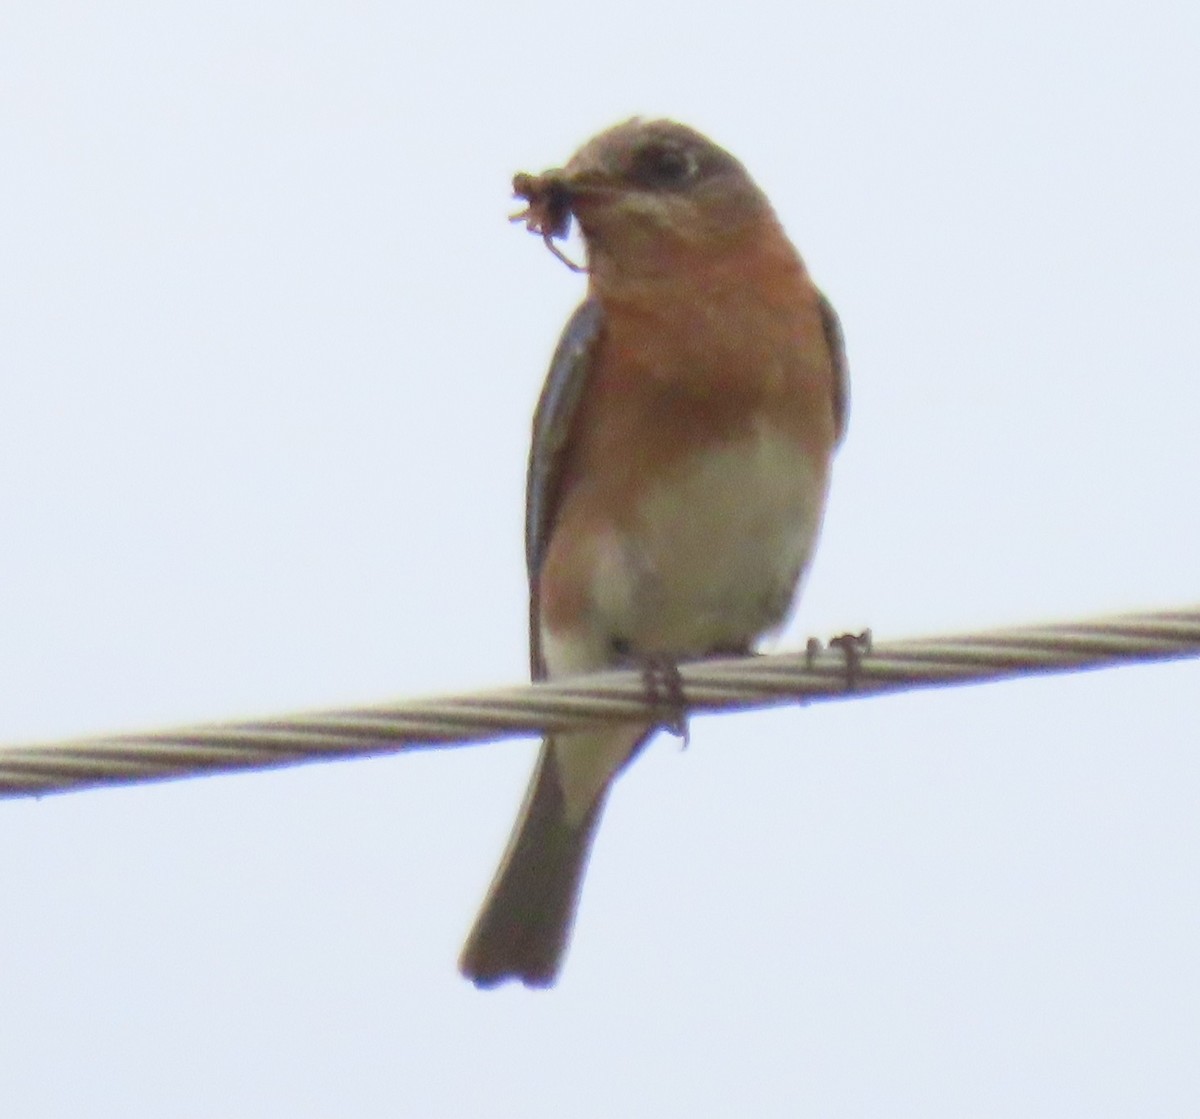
<point x="664" y="690"/>
<point x="663" y="684"/>
<point x="854" y="647"/>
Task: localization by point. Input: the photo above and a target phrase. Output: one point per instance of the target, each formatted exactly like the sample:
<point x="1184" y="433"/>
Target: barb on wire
<point x="817" y="673"/>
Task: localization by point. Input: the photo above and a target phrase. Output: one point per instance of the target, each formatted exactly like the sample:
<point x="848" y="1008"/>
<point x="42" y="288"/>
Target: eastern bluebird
<point x="677" y="478"/>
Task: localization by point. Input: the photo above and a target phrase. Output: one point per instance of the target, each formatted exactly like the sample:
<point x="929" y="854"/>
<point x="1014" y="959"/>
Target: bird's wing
<point x="552" y="423"/>
<point x="841" y="373"/>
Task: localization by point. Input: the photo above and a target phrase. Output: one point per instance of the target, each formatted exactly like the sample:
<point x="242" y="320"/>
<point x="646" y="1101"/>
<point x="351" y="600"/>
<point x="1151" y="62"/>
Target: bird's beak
<point x="549" y="199"/>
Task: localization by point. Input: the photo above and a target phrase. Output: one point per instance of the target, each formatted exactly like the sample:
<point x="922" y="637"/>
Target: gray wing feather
<point x="552" y="423"/>
<point x="841" y="373"/>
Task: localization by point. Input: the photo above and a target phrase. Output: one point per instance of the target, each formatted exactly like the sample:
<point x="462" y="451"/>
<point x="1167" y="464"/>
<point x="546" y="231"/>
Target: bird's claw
<point x="664" y="691"/>
<point x="854" y="647"/>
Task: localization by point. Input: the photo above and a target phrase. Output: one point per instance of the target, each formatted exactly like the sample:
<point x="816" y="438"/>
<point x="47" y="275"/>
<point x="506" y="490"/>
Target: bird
<point x="677" y="481"/>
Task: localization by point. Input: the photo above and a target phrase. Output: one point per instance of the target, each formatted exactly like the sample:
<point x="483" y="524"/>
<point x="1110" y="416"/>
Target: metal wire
<point x="848" y="670"/>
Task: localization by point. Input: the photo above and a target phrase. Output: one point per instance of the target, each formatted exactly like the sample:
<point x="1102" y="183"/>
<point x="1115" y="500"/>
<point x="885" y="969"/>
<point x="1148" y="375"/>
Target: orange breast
<point x="685" y="367"/>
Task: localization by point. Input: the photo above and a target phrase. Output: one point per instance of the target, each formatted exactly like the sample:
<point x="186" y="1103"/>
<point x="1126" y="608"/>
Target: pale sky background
<point x="269" y="353"/>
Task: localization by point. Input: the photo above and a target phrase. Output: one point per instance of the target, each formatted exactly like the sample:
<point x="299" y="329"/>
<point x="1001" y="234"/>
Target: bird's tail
<point x="522" y="929"/>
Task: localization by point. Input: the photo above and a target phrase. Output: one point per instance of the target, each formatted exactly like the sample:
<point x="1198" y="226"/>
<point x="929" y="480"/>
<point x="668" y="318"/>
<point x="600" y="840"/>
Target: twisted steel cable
<point x="853" y="667"/>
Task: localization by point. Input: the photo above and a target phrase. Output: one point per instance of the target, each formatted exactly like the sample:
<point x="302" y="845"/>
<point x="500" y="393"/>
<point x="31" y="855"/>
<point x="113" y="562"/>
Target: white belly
<point x="715" y="551"/>
<point x="711" y="560"/>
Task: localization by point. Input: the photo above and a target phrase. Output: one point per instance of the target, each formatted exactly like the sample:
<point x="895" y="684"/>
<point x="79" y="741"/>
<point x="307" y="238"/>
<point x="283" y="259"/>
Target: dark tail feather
<point x="522" y="929"/>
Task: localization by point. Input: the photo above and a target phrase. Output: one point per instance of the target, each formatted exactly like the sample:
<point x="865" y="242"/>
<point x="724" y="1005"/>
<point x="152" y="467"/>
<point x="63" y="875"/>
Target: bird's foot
<point x="664" y="691"/>
<point x="854" y="647"/>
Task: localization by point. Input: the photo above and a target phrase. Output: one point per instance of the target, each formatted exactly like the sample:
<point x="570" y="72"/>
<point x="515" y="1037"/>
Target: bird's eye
<point x="665" y="165"/>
